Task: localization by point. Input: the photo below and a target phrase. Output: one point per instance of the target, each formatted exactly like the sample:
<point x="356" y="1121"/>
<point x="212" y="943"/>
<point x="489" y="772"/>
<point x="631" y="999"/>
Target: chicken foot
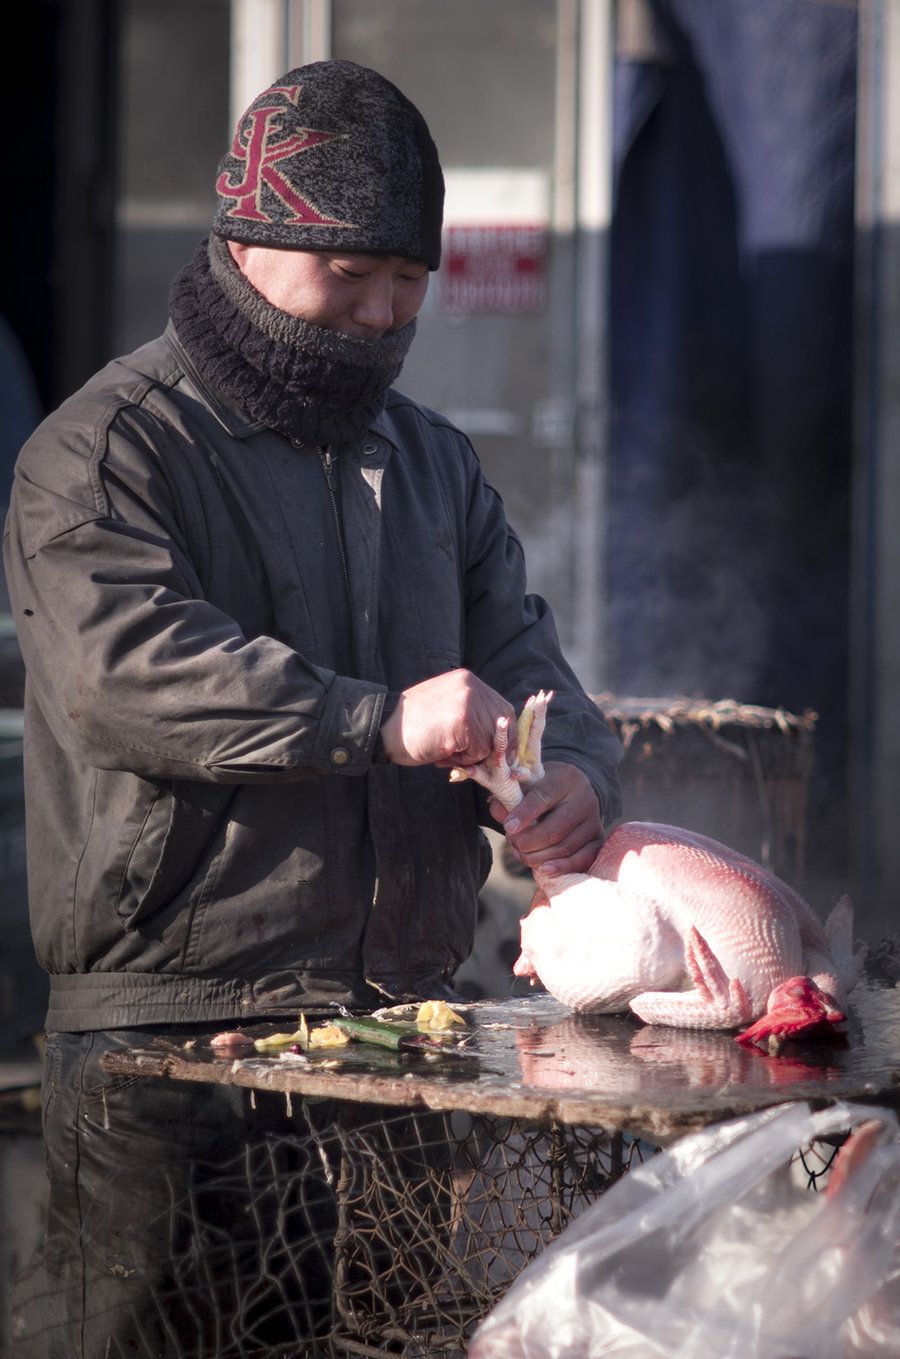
<point x="503" y="778"/>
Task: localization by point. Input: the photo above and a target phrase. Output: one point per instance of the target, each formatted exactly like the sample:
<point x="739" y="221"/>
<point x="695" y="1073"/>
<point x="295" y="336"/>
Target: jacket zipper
<point x="329" y="467"/>
<point x="329" y="463"/>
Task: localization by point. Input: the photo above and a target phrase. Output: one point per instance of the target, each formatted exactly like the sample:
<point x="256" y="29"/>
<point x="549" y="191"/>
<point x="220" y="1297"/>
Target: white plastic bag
<point x="711" y="1250"/>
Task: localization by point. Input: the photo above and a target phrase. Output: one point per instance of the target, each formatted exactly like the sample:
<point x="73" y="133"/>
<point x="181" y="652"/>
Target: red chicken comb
<point x="797" y="1007"/>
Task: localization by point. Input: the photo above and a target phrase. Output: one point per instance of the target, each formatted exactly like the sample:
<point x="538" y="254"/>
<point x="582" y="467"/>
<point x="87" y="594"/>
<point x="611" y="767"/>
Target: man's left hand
<point x="557" y="825"/>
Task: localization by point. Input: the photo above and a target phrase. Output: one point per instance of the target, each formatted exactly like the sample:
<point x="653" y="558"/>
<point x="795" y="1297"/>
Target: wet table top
<point x="531" y="1058"/>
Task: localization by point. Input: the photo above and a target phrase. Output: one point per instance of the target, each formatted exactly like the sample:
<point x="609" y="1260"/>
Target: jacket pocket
<point x="148" y="842"/>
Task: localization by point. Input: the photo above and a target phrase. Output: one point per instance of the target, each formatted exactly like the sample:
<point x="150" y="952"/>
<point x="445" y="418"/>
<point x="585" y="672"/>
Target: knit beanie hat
<point x="333" y="157"/>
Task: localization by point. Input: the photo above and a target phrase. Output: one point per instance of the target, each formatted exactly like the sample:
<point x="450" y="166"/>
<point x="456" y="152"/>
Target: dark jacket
<point x="209" y="836"/>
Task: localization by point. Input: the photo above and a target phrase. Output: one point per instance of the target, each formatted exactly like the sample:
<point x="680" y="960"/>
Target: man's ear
<point x="238" y="252"/>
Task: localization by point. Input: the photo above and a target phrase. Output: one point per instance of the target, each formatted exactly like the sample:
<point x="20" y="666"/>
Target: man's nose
<point x="375" y="305"/>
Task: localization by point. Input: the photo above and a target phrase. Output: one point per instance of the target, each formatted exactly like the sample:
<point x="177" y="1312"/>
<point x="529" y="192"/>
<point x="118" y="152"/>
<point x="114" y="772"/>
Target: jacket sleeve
<point x="512" y="644"/>
<point x="130" y="666"/>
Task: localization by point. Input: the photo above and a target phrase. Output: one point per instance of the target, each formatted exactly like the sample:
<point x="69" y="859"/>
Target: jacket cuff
<point x="348" y="726"/>
<point x="379" y="754"/>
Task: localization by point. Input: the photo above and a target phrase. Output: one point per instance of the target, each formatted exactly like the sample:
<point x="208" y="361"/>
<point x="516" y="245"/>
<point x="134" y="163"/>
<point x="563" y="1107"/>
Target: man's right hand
<point x="449" y="720"/>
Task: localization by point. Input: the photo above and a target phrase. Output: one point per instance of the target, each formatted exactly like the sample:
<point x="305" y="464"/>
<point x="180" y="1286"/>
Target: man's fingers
<point x="564" y="858"/>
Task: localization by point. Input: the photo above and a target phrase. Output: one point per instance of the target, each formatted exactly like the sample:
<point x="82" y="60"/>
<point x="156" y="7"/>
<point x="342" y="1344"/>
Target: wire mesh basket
<point x="377" y="1232"/>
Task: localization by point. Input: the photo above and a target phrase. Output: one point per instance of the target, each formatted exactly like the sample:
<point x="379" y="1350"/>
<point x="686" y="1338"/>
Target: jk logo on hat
<point x="333" y="157"/>
<point x="261" y="145"/>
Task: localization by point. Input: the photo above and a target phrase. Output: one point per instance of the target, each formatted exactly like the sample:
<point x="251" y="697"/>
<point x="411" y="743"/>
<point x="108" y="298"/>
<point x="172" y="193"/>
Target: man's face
<point x="362" y="296"/>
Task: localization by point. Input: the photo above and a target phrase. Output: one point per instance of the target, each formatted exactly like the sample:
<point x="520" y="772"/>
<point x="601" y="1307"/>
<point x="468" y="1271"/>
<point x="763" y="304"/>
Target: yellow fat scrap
<point x="327" y="1036"/>
<point x="437" y="1015"/>
<point x="276" y="1041"/>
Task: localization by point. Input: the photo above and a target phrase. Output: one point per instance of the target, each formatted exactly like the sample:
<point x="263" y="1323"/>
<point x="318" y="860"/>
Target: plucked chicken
<point x="675" y="926"/>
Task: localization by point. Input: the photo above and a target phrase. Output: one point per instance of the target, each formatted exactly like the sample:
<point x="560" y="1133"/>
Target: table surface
<point x="531" y="1058"/>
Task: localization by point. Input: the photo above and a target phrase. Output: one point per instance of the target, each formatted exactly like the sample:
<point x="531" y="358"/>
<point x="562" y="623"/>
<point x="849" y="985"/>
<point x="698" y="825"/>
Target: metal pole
<point x="258" y="50"/>
<point x="309" y="31"/>
<point x="593" y="214"/>
<point x="269" y="37"/>
<point x="875" y="632"/>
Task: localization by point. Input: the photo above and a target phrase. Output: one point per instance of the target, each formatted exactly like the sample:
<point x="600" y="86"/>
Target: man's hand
<point x="557" y="825"/>
<point x="449" y="720"/>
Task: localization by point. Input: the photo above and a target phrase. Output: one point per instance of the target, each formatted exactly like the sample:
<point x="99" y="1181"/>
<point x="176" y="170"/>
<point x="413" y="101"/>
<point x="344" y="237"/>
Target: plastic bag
<point x="712" y="1250"/>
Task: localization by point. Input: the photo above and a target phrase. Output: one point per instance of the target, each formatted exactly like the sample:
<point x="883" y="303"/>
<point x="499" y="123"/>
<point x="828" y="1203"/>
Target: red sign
<point x="493" y="270"/>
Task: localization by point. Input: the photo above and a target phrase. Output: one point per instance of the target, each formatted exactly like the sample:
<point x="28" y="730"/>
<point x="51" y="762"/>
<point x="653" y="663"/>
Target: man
<point x="265" y="602"/>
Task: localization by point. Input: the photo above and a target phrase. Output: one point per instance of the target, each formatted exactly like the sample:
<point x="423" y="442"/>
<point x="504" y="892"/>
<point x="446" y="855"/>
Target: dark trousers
<point x="184" y="1219"/>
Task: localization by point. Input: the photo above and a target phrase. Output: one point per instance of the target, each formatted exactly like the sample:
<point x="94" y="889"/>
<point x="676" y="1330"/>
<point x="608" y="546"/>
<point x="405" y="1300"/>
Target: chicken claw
<point x="532" y="720"/>
<point x="503" y="778"/>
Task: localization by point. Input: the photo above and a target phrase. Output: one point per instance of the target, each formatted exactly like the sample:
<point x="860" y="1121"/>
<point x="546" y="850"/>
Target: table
<point x="512" y="1139"/>
<point x="531" y="1058"/>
